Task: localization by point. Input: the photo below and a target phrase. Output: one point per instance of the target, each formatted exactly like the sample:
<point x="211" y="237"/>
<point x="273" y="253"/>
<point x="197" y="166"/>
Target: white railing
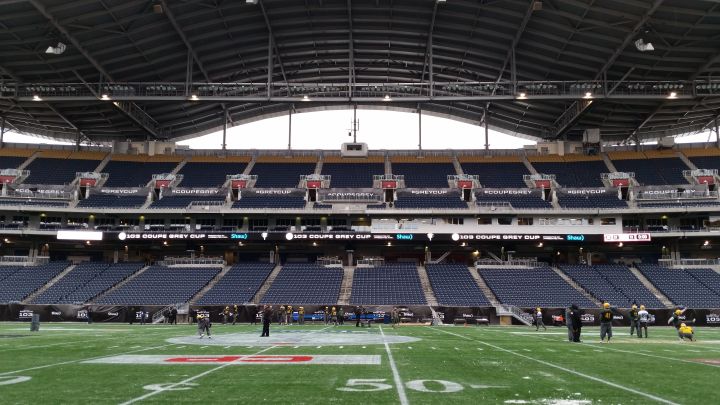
<point x="329" y="261"/>
<point x="688" y="262"/>
<point x="23" y="260"/>
<point x="193" y="261"/>
<point x="511" y="310"/>
<point x="205" y="205"/>
<point x="617" y="175"/>
<point x="523" y="262"/>
<point x="370" y="261"/>
<point x="675" y="195"/>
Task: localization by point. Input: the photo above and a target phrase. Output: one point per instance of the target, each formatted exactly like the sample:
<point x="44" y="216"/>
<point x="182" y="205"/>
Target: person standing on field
<point x="606" y="318"/>
<point x="569" y="323"/>
<point x="644" y="319"/>
<point x="539" y="319"/>
<point x="266" y="319"/>
<point x="634" y="320"/>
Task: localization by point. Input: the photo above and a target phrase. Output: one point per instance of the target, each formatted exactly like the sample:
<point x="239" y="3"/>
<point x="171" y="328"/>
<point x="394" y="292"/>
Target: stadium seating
<point x="424" y="175"/>
<point x="453" y="285"/>
<point x="516" y="200"/>
<point x="207" y="174"/>
<point x="160" y="285"/>
<point x="57" y="171"/>
<point x="7" y="271"/>
<point x="387" y="285"/>
<point x="112" y="201"/>
<point x="270" y="201"/>
<point x="681" y="287"/>
<point x="530" y="288"/>
<point x="34" y="202"/>
<point x="281" y="175"/>
<point x="574" y="174"/>
<point x="591" y="201"/>
<point x="26" y="280"/>
<point x="707" y="277"/>
<point x="706" y="162"/>
<point x="677" y="203"/>
<point x="614" y="284"/>
<point x="654" y="171"/>
<point x="239" y="285"/>
<point x="449" y="200"/>
<point x="85" y="281"/>
<point x="11" y="162"/>
<point x="498" y="174"/>
<point x="182" y="201"/>
<point x="353" y="175"/>
<point x="134" y="174"/>
<point x="305" y="284"/>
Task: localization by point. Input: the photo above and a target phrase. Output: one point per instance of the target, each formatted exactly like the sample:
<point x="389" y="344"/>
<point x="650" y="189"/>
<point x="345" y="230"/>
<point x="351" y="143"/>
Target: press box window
<point x="505" y="221"/>
<point x="525" y="221"/>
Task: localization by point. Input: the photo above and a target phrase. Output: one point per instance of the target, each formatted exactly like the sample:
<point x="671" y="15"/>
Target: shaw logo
<point x="238" y="236"/>
<point x="575" y="238"/>
<point x="404" y="236"/>
<point x="55" y="313"/>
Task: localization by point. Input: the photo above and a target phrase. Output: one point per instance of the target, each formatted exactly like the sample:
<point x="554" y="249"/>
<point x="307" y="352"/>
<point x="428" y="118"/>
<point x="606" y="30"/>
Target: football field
<point x="76" y="363"/>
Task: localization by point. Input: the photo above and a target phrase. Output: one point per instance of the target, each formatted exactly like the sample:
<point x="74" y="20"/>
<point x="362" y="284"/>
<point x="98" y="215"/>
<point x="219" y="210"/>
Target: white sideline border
<point x="567" y="370"/>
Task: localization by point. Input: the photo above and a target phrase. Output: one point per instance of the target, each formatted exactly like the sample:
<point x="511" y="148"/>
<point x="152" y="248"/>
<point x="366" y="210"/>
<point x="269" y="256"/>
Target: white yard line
<point x="203" y="374"/>
<point x="78" y="360"/>
<point x="567" y="370"/>
<point x="396" y="374"/>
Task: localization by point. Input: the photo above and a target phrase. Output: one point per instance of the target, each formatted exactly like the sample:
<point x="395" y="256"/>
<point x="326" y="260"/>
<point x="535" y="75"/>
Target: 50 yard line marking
<point x="395" y="372"/>
<point x="567" y="370"/>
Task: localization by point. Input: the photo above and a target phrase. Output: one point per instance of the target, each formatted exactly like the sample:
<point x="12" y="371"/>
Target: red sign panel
<point x="389" y="184"/>
<point x="465" y="184"/>
<point x="162" y="183"/>
<point x="542" y="183"/>
<point x="706" y="179"/>
<point x="7" y="179"/>
<point x="87" y="182"/>
<point x="621" y="182"/>
<point x="238" y="183"/>
<point x="314" y="183"/>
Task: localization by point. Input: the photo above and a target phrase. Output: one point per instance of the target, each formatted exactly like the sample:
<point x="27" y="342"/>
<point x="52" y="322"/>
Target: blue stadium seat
<point x="574" y="174"/>
<point x="397" y="284"/>
<point x="26" y="280"/>
<point x="182" y="201"/>
<point x="498" y="174"/>
<point x="682" y="287"/>
<point x="305" y="284"/>
<point x="450" y="200"/>
<point x="208" y="174"/>
<point x="654" y="171"/>
<point x="239" y="285"/>
<point x="425" y="175"/>
<point x="134" y="174"/>
<point x="112" y="201"/>
<point x="453" y="285"/>
<point x="57" y="171"/>
<point x="281" y="175"/>
<point x="353" y="175"/>
<point x="86" y="281"/>
<point x="612" y="283"/>
<point x="521" y="200"/>
<point x="590" y="201"/>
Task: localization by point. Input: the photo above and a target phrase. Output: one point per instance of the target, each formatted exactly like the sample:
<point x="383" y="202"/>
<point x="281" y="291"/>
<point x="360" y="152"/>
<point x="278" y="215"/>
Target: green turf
<point x="505" y="364"/>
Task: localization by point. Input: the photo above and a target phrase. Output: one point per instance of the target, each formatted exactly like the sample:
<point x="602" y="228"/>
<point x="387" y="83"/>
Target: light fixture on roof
<point x="306" y="98"/>
<point x="522" y="96"/>
<point x="194" y="97"/>
<point x="37" y="97"/>
<point x="387" y="98"/>
<point x="642" y="46"/>
<point x="105" y="97"/>
<point x="587" y="95"/>
<point x="672" y="95"/>
<point x="251" y="1"/>
<point x="56" y="50"/>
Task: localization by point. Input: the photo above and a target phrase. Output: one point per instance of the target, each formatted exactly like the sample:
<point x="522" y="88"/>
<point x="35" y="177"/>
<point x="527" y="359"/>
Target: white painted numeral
<point x="447" y="386"/>
<point x="365" y="384"/>
<point x="11" y="379"/>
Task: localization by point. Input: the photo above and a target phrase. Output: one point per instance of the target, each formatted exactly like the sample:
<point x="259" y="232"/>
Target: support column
<point x="717" y="133"/>
<point x="225" y="122"/>
<point x="2" y="130"/>
<point x="77" y="141"/>
<point x="419" y="110"/>
<point x="270" y="66"/>
<point x="487" y="142"/>
<point x="290" y="112"/>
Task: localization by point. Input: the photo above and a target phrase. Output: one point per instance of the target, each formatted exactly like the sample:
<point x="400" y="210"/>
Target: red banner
<point x="706" y="179"/>
<point x="465" y="184"/>
<point x="87" y="182"/>
<point x="621" y="182"/>
<point x="7" y="179"/>
<point x="389" y="184"/>
<point x="313" y="183"/>
<point x="542" y="183"/>
<point x="162" y="183"/>
<point x="238" y="183"/>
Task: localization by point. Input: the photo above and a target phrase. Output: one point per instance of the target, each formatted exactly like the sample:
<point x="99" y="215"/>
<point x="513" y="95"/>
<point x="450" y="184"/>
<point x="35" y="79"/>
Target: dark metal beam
<point x="351" y="50"/>
<point x="128" y="108"/>
<point x="518" y="35"/>
<point x="428" y="58"/>
<point x="274" y="43"/>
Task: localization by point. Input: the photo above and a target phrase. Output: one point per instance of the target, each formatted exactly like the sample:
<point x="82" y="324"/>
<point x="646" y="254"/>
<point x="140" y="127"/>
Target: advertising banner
<point x="350" y="195"/>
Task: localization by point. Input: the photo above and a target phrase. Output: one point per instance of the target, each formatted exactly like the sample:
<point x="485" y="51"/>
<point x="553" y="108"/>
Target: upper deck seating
<point x="520" y="200"/>
<point x="352" y="175"/>
<point x="425" y="175"/>
<point x="591" y="201"/>
<point x="451" y="200"/>
<point x="574" y="174"/>
<point x="498" y="174"/>
<point x="134" y="174"/>
<point x="11" y="162"/>
<point x="654" y="171"/>
<point x="112" y="201"/>
<point x="281" y="175"/>
<point x="182" y="201"/>
<point x="208" y="174"/>
<point x="270" y="201"/>
<point x="57" y="171"/>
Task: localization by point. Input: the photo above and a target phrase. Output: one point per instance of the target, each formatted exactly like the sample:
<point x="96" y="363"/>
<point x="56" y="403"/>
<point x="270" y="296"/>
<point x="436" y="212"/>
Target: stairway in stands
<point x="650" y="286"/>
<point x="47" y="285"/>
<point x="346" y="286"/>
<point x="119" y="285"/>
<point x="266" y="286"/>
<point x="209" y="285"/>
<point x="427" y="288"/>
<point x="576" y="286"/>
<point x="483" y="286"/>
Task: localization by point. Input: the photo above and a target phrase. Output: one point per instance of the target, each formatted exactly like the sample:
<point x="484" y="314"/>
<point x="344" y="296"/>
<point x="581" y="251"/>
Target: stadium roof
<point x="544" y="69"/>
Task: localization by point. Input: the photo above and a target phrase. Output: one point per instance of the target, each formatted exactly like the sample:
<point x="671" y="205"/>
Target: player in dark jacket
<point x="266" y="319"/>
<point x="606" y="318"/>
<point x="634" y="320"/>
<point x="204" y="326"/>
<point x="575" y="317"/>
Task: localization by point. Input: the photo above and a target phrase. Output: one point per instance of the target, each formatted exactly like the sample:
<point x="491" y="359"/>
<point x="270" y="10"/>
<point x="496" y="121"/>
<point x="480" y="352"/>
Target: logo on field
<point x="170" y="387"/>
<point x="238" y="359"/>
